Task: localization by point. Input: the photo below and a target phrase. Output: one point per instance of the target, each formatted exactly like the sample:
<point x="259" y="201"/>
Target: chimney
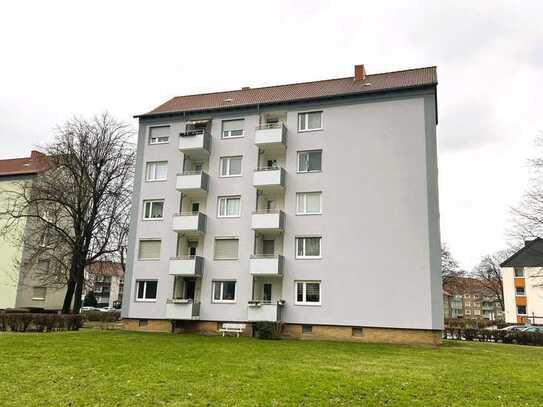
<point x="359" y="72"/>
<point x="35" y="154"/>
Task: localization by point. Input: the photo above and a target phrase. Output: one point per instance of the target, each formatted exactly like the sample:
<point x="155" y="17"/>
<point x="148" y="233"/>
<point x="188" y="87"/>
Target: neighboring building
<point x="18" y="287"/>
<point x="466" y="297"/>
<point x="105" y="280"/>
<point x="523" y="284"/>
<point x="314" y="204"/>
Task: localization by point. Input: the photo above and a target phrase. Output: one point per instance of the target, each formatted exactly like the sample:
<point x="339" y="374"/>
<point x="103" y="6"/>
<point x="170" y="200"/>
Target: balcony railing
<point x="271" y="134"/>
<point x="189" y="222"/>
<point x="188" y="266"/>
<point x="264" y="310"/>
<point x="195" y="142"/>
<point x="269" y="178"/>
<point x="181" y="308"/>
<point x="268" y="219"/>
<point x="266" y="265"/>
<point x="192" y="181"/>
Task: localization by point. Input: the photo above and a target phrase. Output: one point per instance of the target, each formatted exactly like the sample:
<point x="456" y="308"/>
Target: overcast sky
<point x="64" y="58"/>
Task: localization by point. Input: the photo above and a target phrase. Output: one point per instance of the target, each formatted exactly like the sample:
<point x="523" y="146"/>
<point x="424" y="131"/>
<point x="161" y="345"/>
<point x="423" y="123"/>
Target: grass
<point x="116" y="368"/>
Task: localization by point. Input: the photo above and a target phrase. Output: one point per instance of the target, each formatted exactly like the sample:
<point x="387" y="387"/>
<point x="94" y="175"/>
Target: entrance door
<point x="268" y="247"/>
<point x="190" y="288"/>
<point x="267" y="292"/>
<point x="192" y="245"/>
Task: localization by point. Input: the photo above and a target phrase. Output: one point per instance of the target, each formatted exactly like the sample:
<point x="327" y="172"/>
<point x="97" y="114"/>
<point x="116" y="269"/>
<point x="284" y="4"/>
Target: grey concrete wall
<point x="379" y="226"/>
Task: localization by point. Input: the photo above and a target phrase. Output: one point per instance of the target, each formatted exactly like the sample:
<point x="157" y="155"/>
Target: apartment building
<point x="106" y="280"/>
<point x="312" y="204"/>
<point x="523" y="284"/>
<point x="466" y="297"/>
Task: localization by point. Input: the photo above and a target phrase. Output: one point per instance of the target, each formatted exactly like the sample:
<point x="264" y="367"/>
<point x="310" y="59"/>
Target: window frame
<point x="304" y="257"/>
<point x="229" y="136"/>
<point x="304" y="292"/>
<point x="34" y="298"/>
<point x="523" y="292"/>
<point x="145" y="281"/>
<point x="306" y="121"/>
<point x="149" y="240"/>
<point x="151" y="202"/>
<point x="226" y="198"/>
<point x="298" y="153"/>
<point x="226" y="160"/>
<point x="305" y="213"/>
<point x="519" y="270"/>
<point x="215" y="248"/>
<point x="148" y="163"/>
<point x="525" y="309"/>
<point x="157" y="142"/>
<point x="222" y="301"/>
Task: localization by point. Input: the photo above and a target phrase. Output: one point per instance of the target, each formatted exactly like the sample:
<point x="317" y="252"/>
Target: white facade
<point x="377" y="228"/>
<point x="531" y="278"/>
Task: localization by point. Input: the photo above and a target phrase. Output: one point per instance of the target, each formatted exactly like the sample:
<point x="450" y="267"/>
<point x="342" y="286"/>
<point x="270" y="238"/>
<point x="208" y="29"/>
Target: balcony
<point x="182" y="309"/>
<point x="264" y="265"/>
<point x="187" y="266"/>
<point x="192" y="181"/>
<point x="194" y="222"/>
<point x="195" y="142"/>
<point x="268" y="220"/>
<point x="261" y="311"/>
<point x="269" y="178"/>
<point x="271" y="135"/>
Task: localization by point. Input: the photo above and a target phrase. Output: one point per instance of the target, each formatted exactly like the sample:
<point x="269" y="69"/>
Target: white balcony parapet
<point x="269" y="177"/>
<point x="264" y="265"/>
<point x="264" y="311"/>
<point x="195" y="141"/>
<point x="188" y="266"/>
<point x="272" y="134"/>
<point x="268" y="220"/>
<point x="182" y="309"/>
<point x="189" y="222"/>
<point x="192" y="181"/>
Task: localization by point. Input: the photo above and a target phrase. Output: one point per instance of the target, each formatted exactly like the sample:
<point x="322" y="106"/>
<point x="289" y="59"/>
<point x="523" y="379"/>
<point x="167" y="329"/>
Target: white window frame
<point x="229" y="136"/>
<point x="304" y="292"/>
<point x="39" y="298"/>
<point x="226" y="198"/>
<point x="303" y="117"/>
<point x="307" y="257"/>
<point x="221" y="301"/>
<point x="298" y="162"/>
<point x="137" y="299"/>
<point x="151" y="202"/>
<point x="226" y="161"/>
<point x="158" y="142"/>
<point x="155" y="163"/>
<point x="305" y="213"/>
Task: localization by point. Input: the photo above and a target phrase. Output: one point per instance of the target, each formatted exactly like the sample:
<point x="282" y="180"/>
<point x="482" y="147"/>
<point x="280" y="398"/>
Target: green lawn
<point x="115" y="368"/>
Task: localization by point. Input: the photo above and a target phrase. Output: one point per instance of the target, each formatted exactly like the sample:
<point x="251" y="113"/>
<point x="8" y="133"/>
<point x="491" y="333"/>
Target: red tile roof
<point x="21" y="166"/>
<point x="408" y="79"/>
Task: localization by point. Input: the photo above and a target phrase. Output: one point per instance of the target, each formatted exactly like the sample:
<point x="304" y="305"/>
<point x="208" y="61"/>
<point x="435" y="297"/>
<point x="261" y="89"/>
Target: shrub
<point x="490" y="335"/>
<point x="110" y="316"/>
<point x="267" y="329"/>
<point x="41" y="322"/>
<point x="90" y="300"/>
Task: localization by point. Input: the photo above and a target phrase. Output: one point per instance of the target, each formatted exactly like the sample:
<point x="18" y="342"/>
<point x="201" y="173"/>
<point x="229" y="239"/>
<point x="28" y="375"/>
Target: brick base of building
<point x="296" y="331"/>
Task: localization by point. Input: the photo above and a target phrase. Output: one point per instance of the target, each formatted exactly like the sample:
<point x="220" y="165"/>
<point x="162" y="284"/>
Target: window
<point x="149" y="250"/>
<point x="468" y="312"/>
<point x="146" y="290"/>
<point x="308" y="203"/>
<point x="157" y="170"/>
<point x="153" y="210"/>
<point x="159" y="135"/>
<point x="309" y="161"/>
<point x="357" y="331"/>
<point x="520" y="291"/>
<point x="232" y="128"/>
<point x="142" y="323"/>
<point x="230" y="166"/>
<point x="308" y="292"/>
<point x="226" y="249"/>
<point x="309" y="121"/>
<point x="224" y="291"/>
<point x="39" y="293"/>
<point x="307" y="329"/>
<point x="521" y="309"/>
<point x="308" y="247"/>
<point x="519" y="272"/>
<point x="229" y="207"/>
<point x="467" y="304"/>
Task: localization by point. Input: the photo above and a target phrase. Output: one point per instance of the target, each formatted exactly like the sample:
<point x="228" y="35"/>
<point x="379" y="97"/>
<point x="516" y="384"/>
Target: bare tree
<point x="450" y="269"/>
<point x="81" y="202"/>
<point x="489" y="273"/>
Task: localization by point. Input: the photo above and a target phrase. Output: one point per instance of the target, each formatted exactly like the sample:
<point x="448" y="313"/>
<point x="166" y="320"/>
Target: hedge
<point x="39" y="322"/>
<point x="493" y="335"/>
<point x="100" y="316"/>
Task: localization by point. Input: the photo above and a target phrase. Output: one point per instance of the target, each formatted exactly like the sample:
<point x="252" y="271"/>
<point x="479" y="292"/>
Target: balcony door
<point x="267" y="292"/>
<point x="268" y="247"/>
<point x="192" y="246"/>
<point x="190" y="288"/>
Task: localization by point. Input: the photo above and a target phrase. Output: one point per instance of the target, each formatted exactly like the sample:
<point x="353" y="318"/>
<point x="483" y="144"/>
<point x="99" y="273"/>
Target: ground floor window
<point x="224" y="291"/>
<point x="146" y="290"/>
<point x="308" y="292"/>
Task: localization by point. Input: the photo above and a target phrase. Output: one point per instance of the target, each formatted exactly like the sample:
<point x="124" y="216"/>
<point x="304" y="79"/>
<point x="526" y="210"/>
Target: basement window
<point x="357" y="331"/>
<point x="307" y="329"/>
<point x="142" y="323"/>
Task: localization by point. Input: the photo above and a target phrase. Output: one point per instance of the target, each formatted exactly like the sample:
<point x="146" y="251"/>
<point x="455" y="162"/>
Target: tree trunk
<point x="70" y="288"/>
<point x="80" y="282"/>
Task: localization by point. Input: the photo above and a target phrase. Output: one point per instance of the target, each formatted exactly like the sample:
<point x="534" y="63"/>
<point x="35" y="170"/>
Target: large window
<point x="153" y="210"/>
<point x="149" y="250"/>
<point x="39" y="293"/>
<point x="159" y="134"/>
<point x="308" y="247"/>
<point x="157" y="171"/>
<point x="226" y="248"/>
<point x="232" y="128"/>
<point x="146" y="290"/>
<point x="230" y="166"/>
<point x="308" y="203"/>
<point x="309" y="161"/>
<point x="308" y="292"/>
<point x="224" y="291"/>
<point x="309" y="121"/>
<point x="229" y="207"/>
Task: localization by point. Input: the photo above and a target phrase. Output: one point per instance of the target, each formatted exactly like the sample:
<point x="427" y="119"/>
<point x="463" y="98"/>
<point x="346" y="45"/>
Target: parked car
<point x="89" y="309"/>
<point x="533" y="329"/>
<point x="107" y="309"/>
<point x="512" y="328"/>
